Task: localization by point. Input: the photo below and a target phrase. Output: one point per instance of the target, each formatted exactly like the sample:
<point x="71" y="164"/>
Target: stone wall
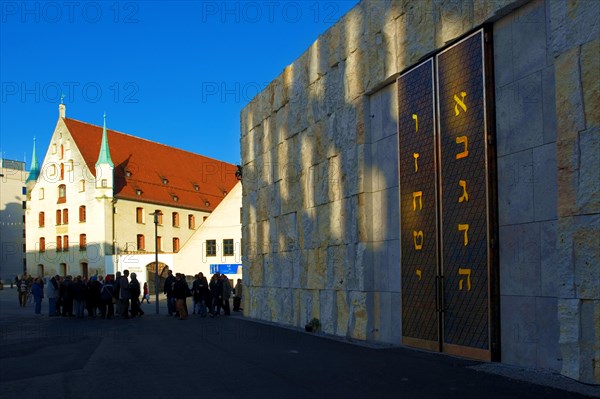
<point x="320" y="189"/>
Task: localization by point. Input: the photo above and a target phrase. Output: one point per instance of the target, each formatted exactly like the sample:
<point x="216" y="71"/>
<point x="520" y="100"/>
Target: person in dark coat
<point x="168" y="291"/>
<point x="92" y="301"/>
<point x="66" y="296"/>
<point x="181" y="291"/>
<point x="37" y="289"/>
<point x="79" y="294"/>
<point x="107" y="292"/>
<point x="134" y="292"/>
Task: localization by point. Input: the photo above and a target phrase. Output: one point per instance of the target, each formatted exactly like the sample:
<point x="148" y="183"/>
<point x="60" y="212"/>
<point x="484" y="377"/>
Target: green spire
<point x="104" y="157"/>
<point x="34" y="171"/>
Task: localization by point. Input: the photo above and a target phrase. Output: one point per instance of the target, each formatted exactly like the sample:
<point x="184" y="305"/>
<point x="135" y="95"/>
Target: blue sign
<point x="228" y="268"/>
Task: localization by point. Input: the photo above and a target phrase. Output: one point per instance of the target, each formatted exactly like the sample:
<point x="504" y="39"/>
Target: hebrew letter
<point x="460" y="103"/>
<point x="464" y="272"/>
<point x="416" y="119"/>
<point x="465" y="228"/>
<point x="418" y="239"/>
<point x="419" y="195"/>
<point x="465" y="196"/>
<point x="463" y="140"/>
<point x="418" y="273"/>
<point x="416" y="157"/>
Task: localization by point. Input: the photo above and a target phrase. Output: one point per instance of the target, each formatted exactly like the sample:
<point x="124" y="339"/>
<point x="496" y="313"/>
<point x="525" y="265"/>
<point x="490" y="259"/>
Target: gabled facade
<point x="90" y="208"/>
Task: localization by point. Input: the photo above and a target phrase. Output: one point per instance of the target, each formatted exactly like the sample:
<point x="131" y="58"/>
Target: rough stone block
<point x="316" y="268"/>
<point x="547" y="326"/>
<point x="328" y="311"/>
<point x="545" y="190"/>
<point x="549" y="104"/>
<point x="519" y="332"/>
<point x="520" y="260"/>
<point x="343" y="315"/>
<point x="360" y="308"/>
<point x="590" y="65"/>
<point x="588" y="176"/>
<point x="551" y="284"/>
<point x="515" y="188"/>
<point x="529" y="39"/>
<point x="572" y="23"/>
<point x="586" y="256"/>
<point x="503" y="51"/>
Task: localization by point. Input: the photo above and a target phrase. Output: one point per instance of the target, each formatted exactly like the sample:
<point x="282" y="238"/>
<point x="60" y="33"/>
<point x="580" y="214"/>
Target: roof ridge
<point x="150" y="141"/>
<point x="173" y="187"/>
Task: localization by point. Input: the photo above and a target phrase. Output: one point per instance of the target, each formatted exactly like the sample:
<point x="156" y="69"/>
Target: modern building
<point x="12" y="219"/>
<point x="91" y="203"/>
<point x="427" y="174"/>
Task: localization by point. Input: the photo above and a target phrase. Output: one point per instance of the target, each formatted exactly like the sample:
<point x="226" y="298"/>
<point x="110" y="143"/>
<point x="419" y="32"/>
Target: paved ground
<point x="157" y="357"/>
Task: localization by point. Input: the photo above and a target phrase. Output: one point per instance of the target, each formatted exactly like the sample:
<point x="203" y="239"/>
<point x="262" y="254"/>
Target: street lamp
<point x="156" y="214"/>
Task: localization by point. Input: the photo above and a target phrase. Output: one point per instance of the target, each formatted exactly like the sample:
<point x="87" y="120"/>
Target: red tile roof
<point x="192" y="181"/>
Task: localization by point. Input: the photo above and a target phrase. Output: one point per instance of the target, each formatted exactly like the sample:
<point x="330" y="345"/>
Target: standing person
<point x="214" y="296"/>
<point x="204" y="294"/>
<point x="134" y="292"/>
<point x="37" y="289"/>
<point x="146" y="294"/>
<point x="66" y="296"/>
<point x="124" y="294"/>
<point x="22" y="290"/>
<point x="79" y="294"/>
<point x="107" y="308"/>
<point x="196" y="297"/>
<point x="237" y="295"/>
<point x="116" y="293"/>
<point x="181" y="292"/>
<point x="53" y="292"/>
<point x="168" y="291"/>
<point x="226" y="294"/>
<point x="93" y="296"/>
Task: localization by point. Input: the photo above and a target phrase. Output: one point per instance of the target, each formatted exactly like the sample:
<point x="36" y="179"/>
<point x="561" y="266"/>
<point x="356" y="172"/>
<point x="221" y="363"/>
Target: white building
<point x="91" y="203"/>
<point x="12" y="215"/>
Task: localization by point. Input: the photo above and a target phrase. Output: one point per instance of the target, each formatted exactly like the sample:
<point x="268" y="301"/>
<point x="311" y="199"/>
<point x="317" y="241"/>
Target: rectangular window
<point x="175" y="244"/>
<point x="191" y="222"/>
<point x="160" y="219"/>
<point x="58" y="243"/>
<point x="159" y="243"/>
<point x="42" y="244"/>
<point x="228" y="247"/>
<point x="42" y="219"/>
<point x="58" y="216"/>
<point x="41" y="193"/>
<point x="82" y="241"/>
<point x="62" y="194"/>
<point x="65" y="243"/>
<point x="81" y="186"/>
<point x="175" y="219"/>
<point x="65" y="216"/>
<point x="211" y="247"/>
<point x="82" y="214"/>
<point x="24" y="190"/>
<point x="141" y="242"/>
<point x="139" y="215"/>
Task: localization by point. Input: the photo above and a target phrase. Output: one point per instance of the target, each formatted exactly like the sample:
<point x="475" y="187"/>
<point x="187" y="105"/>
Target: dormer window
<point x="175" y="198"/>
<point x="62" y="194"/>
<point x="206" y="203"/>
<point x="127" y="173"/>
<point x="138" y="192"/>
<point x="165" y="181"/>
<point x="196" y="187"/>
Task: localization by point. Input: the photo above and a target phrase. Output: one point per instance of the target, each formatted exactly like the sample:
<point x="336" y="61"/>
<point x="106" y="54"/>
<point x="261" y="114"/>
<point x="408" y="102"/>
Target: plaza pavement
<point x="161" y="357"/>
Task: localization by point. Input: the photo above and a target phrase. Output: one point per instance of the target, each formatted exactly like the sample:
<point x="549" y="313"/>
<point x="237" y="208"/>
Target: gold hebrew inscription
<point x="418" y="239"/>
<point x="465" y="228"/>
<point x="416" y="119"/>
<point x="416" y="157"/>
<point x="464" y="272"/>
<point x="464" y="140"/>
<point x="417" y="195"/>
<point x="465" y="195"/>
<point x="460" y="102"/>
<point x="418" y="273"/>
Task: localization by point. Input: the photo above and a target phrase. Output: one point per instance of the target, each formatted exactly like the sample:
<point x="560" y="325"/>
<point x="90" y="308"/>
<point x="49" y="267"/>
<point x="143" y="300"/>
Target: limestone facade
<point x="320" y="189"/>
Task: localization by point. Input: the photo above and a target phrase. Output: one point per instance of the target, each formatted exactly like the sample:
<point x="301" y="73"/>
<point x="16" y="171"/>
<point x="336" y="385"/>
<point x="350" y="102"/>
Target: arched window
<point x="62" y="194"/>
<point x="82" y="214"/>
<point x="139" y="215"/>
<point x="42" y="219"/>
<point x="42" y="244"/>
<point x="175" y="219"/>
<point x="58" y="243"/>
<point x="62" y="151"/>
<point x="141" y="242"/>
<point x="65" y="243"/>
<point x="191" y="222"/>
<point x="65" y="216"/>
<point x="58" y="216"/>
<point x="82" y="241"/>
<point x="62" y="171"/>
<point x="175" y="244"/>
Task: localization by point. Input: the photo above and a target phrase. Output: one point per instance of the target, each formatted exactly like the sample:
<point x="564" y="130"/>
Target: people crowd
<point x="118" y="295"/>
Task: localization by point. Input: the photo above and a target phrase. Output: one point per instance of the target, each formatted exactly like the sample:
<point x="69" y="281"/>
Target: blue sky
<point x="175" y="72"/>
